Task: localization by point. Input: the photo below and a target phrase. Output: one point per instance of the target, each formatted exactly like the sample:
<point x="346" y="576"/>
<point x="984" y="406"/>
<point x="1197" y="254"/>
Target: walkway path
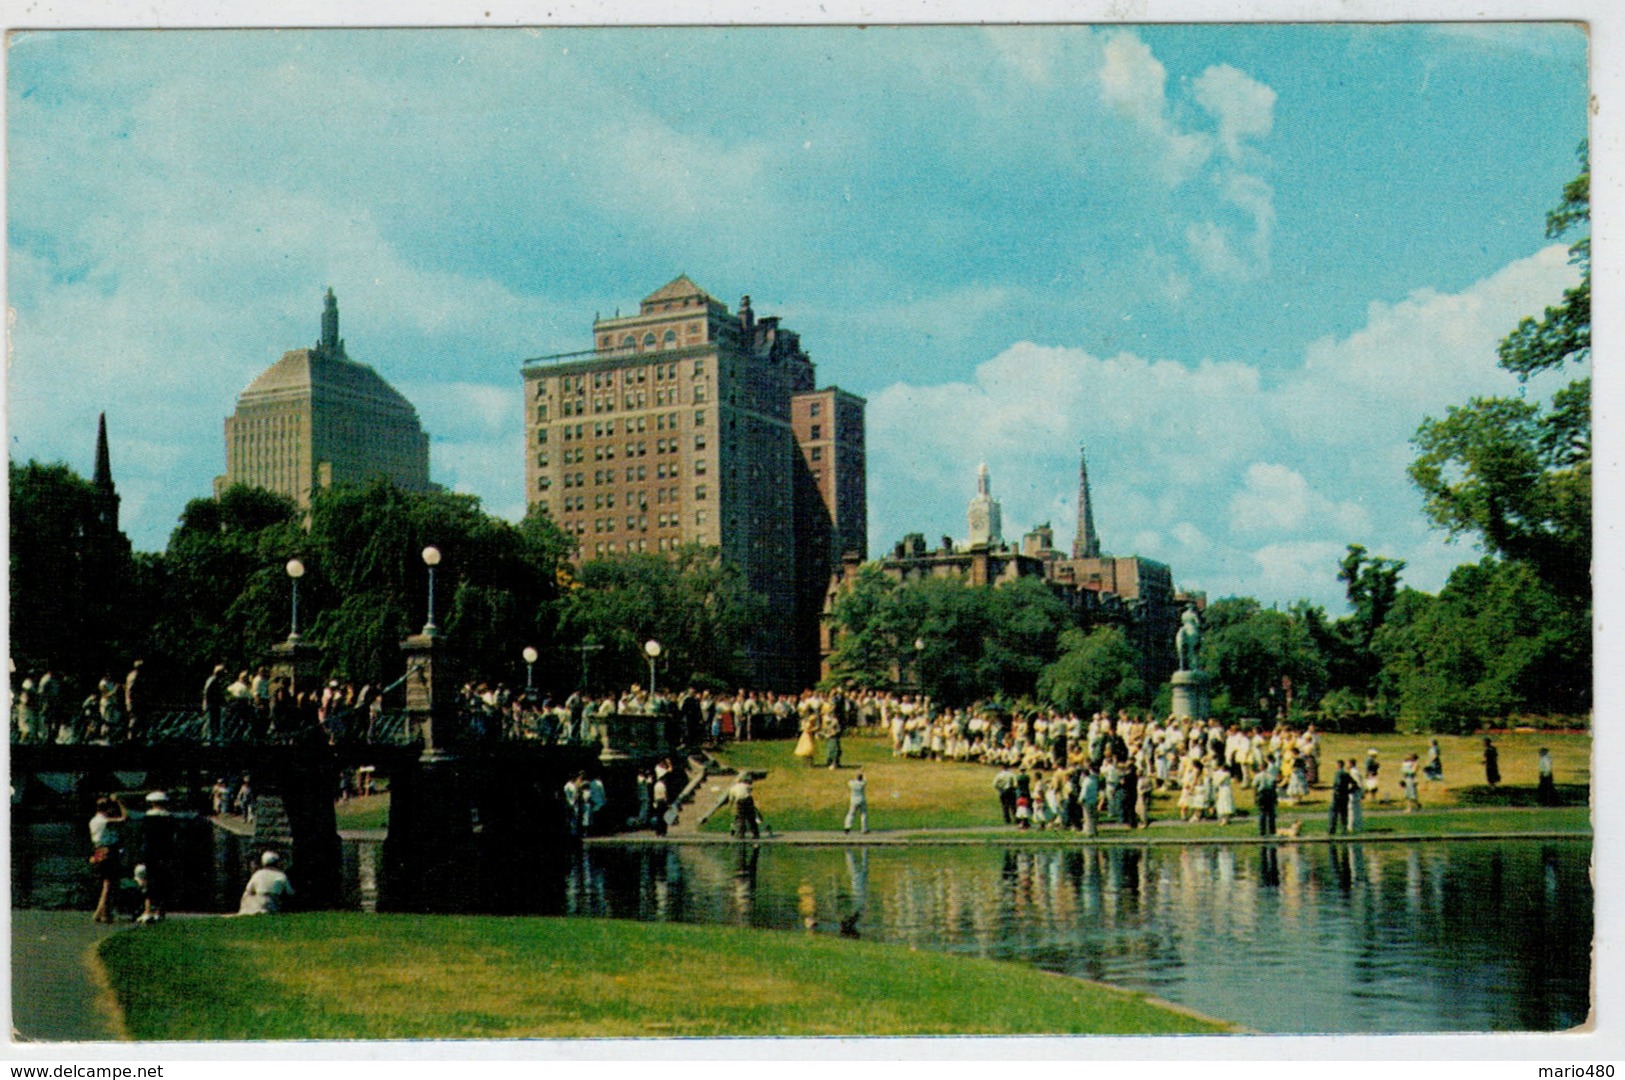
<point x="55" y="997"/>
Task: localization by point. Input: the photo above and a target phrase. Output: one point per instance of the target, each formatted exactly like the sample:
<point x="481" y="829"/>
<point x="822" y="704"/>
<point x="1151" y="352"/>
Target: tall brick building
<point x="317" y="418"/>
<point x="685" y="423"/>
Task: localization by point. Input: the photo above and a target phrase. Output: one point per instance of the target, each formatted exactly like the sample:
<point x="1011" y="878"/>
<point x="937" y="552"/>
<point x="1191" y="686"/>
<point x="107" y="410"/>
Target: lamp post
<point x="530" y="655"/>
<point x="919" y="654"/>
<point x="651" y="648"/>
<point x="296" y="570"/>
<point x="431" y="559"/>
<point x="588" y="645"/>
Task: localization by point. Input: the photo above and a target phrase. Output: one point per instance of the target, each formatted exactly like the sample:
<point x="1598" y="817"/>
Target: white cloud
<point x="1277" y="499"/>
<point x="1133" y="82"/>
<point x="1242" y="484"/>
<point x="1243" y="106"/>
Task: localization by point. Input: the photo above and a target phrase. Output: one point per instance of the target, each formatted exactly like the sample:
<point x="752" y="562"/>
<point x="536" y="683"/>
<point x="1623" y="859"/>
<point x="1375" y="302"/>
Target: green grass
<point x="908" y="795"/>
<point x="369" y="812"/>
<point x="351" y="976"/>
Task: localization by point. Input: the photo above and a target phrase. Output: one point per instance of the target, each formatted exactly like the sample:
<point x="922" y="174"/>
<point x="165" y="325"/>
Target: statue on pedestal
<point x="1188" y="641"/>
<point x="1190" y="682"/>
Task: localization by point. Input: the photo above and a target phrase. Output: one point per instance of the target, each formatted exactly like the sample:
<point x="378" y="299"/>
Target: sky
<point x="1239" y="263"/>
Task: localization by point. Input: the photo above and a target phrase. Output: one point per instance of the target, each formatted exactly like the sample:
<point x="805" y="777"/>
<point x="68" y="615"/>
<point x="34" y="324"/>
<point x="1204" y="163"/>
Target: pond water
<point x="1458" y="936"/>
<point x="1356" y="937"/>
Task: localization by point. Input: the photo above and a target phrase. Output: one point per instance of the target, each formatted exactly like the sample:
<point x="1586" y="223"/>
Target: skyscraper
<point x="684" y="424"/>
<point x="317" y="418"/>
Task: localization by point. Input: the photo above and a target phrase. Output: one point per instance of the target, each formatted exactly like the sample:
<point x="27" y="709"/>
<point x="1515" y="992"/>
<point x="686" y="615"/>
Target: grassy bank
<point x="909" y="794"/>
<point x="345" y="976"/>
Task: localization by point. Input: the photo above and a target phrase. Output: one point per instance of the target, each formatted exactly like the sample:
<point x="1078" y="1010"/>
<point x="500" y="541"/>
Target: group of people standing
<point x="147" y="850"/>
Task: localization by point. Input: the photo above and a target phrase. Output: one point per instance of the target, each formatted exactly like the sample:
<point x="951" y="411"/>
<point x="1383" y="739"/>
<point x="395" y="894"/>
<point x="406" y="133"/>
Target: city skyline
<point x="1239" y="263"/>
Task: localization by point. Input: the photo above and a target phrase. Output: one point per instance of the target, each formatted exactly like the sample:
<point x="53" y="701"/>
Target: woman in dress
<point x="804" y="746"/>
<point x="1297" y="784"/>
<point x="107" y="851"/>
<point x="1407" y="784"/>
<point x="1224" y="796"/>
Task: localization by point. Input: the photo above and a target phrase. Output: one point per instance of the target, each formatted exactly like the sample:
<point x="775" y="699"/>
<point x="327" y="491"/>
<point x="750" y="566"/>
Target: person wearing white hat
<point x="157" y="856"/>
<point x="267" y="889"/>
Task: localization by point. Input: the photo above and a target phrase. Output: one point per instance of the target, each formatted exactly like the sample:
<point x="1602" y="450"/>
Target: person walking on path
<point x="1089" y="801"/>
<point x="832" y="741"/>
<point x="1004" y="785"/>
<point x="1341" y="784"/>
<point x="1546" y="792"/>
<point x="1264" y="798"/>
<point x="742" y="797"/>
<point x="1492" y="764"/>
<point x="1433" y="768"/>
<point x="1356" y="820"/>
<point x="158" y="844"/>
<point x="214" y="703"/>
<point x="858" y="802"/>
<point x="107" y="852"/>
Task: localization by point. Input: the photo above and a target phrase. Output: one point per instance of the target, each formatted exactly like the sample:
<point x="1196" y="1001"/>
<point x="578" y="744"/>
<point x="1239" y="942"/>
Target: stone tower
<point x="986" y="529"/>
<point x="1086" y="545"/>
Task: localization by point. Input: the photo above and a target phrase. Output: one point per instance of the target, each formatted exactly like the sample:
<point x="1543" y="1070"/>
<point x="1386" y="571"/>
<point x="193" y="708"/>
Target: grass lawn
<point x="908" y="794"/>
<point x="366" y="812"/>
<point x="353" y="976"/>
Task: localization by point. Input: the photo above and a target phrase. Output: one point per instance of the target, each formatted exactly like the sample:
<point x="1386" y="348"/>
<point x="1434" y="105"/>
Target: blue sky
<point x="1239" y="263"/>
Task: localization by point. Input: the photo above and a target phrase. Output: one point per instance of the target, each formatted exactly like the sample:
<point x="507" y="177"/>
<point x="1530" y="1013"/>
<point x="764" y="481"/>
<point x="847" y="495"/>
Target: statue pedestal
<point x="1191" y="695"/>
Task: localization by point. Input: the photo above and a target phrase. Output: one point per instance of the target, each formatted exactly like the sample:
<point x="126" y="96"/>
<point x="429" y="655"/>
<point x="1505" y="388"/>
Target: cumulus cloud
<point x="1134" y="82"/>
<point x="1243" y="106"/>
<point x="1248" y="484"/>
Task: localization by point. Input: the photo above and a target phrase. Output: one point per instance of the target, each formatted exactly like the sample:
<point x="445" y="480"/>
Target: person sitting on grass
<point x="267" y="889"/>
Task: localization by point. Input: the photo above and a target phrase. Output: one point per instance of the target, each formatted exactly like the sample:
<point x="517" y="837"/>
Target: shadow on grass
<point x="1520" y="795"/>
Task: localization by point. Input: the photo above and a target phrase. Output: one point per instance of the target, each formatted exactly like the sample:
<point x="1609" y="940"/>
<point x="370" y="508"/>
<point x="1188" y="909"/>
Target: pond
<point x="1373" y="938"/>
<point x="1311" y="938"/>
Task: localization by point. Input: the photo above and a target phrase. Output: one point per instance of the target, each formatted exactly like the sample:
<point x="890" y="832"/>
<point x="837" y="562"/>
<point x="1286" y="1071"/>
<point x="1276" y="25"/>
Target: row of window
<point x="667" y="543"/>
<point x="630" y="377"/>
<point x="607" y="501"/>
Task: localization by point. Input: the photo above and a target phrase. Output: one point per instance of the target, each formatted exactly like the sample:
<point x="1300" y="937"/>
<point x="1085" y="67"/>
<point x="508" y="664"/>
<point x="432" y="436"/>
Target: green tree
<point x="1497" y="641"/>
<point x="974" y="643"/>
<point x="1253" y="650"/>
<point x="1512" y="472"/>
<point x="695" y="603"/>
<point x="1096" y="671"/>
<point x="1371" y="584"/>
<point x="78" y="598"/>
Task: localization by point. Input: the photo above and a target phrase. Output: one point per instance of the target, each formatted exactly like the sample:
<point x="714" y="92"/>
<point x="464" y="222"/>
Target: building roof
<point x="679" y="288"/>
<point x="304" y="371"/>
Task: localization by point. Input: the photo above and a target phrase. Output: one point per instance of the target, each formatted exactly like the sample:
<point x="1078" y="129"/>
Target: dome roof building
<point x="317" y="418"/>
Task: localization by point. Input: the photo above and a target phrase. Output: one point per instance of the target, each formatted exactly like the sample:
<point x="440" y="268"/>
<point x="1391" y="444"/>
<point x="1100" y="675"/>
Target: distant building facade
<point x="1131" y="593"/>
<point x="317" y="418"/>
<point x="686" y="423"/>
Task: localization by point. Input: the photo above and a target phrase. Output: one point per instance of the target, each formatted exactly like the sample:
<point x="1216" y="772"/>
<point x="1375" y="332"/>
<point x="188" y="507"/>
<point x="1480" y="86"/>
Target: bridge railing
<point x="192" y="727"/>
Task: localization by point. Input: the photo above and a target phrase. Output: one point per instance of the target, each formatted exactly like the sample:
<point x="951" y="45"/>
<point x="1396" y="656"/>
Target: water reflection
<point x="1300" y="937"/>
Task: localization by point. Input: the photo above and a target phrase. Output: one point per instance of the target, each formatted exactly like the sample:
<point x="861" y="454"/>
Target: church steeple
<point x="1086" y="545"/>
<point x="102" y="480"/>
<point x="330" y="344"/>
